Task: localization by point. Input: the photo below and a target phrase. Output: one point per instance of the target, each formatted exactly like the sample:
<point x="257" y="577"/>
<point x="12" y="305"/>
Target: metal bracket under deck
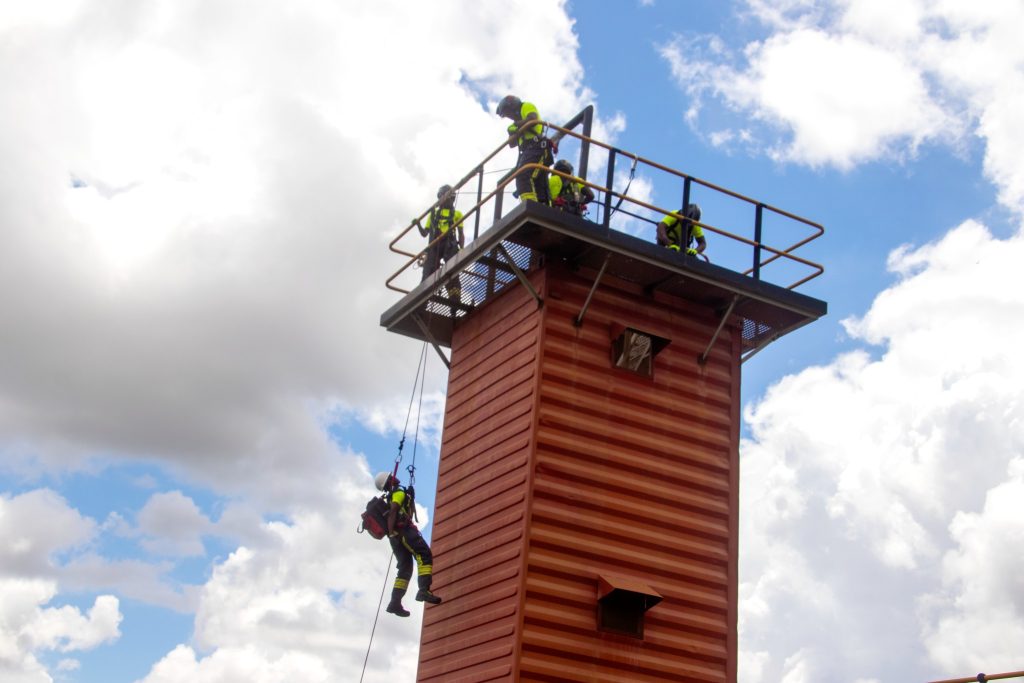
<point x="520" y="274"/>
<point x="597" y="280"/>
<point x="756" y="349"/>
<point x="433" y="342"/>
<point x="703" y="358"/>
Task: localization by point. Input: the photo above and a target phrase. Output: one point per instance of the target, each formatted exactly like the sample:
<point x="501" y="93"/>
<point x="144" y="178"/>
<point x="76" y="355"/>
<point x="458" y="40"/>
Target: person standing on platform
<point x="534" y="148"/>
<point x="443" y="242"/>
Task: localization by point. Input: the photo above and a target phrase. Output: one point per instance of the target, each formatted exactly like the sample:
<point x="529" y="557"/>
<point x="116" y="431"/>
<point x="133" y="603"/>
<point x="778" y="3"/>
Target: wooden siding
<point x="557" y="468"/>
<point x="480" y="513"/>
<point x="632" y="477"/>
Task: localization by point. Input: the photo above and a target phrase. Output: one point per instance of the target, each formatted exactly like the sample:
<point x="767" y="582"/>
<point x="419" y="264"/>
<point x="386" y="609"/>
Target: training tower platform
<point x="586" y="515"/>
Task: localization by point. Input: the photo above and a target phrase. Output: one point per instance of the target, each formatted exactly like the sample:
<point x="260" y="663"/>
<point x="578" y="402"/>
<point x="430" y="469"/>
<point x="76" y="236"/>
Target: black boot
<point x="395" y="607"/>
<point x="424" y="595"/>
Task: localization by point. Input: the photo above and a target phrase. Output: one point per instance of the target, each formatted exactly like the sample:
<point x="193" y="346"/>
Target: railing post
<point x="757" y="240"/>
<point x="608" y="184"/>
<point x="588" y="122"/>
<point x="479" y="198"/>
<point x="499" y="198"/>
<point x="686" y="205"/>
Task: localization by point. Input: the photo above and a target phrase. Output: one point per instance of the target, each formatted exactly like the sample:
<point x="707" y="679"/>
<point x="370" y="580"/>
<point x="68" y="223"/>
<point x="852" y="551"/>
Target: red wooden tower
<point x="585" y="522"/>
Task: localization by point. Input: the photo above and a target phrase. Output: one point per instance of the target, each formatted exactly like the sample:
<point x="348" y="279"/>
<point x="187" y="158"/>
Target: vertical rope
<point x="419" y="413"/>
<point x="421" y="375"/>
<point x="379" y="603"/>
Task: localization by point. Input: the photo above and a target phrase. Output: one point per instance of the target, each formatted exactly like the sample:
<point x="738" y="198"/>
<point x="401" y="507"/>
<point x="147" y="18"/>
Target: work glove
<point x="691" y="252"/>
<point x="674" y="247"/>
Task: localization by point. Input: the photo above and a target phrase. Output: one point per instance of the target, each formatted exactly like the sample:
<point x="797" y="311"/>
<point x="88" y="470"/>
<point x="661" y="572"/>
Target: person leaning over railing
<point x="569" y="194"/>
<point x="678" y="234"/>
<point x="534" y="148"/>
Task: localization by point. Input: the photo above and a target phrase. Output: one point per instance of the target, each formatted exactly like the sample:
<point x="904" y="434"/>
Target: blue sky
<point x="195" y="391"/>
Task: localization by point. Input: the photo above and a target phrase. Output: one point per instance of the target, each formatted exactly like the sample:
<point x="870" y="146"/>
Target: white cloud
<point x="195" y="299"/>
<point x="299" y="605"/>
<point x="69" y="665"/>
<point x="172" y="524"/>
<point x="424" y="417"/>
<point x="798" y="669"/>
<point x="34" y="526"/>
<point x="893" y="22"/>
<point x="141" y="580"/>
<point x="245" y="663"/>
<point x="849" y="81"/>
<point x="889" y="484"/>
<point x="843" y="99"/>
<point x="26" y="627"/>
<point x="846" y="100"/>
<point x="196" y="201"/>
<point x="66" y="628"/>
<point x="977" y="619"/>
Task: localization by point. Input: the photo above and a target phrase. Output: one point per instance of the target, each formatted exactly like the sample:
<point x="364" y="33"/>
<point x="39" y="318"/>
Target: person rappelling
<point x="407" y="543"/>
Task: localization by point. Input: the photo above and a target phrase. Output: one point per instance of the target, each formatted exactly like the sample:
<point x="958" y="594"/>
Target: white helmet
<point x="381" y="480"/>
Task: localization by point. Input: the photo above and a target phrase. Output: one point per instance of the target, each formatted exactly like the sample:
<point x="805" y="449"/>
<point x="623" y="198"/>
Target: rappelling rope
<point x="411" y="469"/>
<point x="380" y="602"/>
<point x="421" y="375"/>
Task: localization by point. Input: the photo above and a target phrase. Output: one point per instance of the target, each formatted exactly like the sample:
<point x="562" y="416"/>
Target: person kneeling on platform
<point x="569" y="194"/>
<point x="678" y="234"/>
<point x="407" y="543"/>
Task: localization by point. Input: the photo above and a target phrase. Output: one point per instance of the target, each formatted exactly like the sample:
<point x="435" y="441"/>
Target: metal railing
<point x="984" y="677"/>
<point x="604" y="211"/>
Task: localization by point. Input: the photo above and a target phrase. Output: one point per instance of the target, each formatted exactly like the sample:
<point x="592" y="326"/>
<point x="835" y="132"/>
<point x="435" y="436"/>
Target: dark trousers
<point x="533" y="185"/>
<point x="443" y="250"/>
<point x="409" y="545"/>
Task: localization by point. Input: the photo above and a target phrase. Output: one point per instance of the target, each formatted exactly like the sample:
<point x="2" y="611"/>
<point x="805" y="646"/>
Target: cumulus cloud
<point x="142" y="580"/>
<point x="888" y="482"/>
<point x="976" y="620"/>
<point x="299" y="604"/>
<point x="197" y="199"/>
<point x="172" y="524"/>
<point x="197" y="210"/>
<point x="34" y="527"/>
<point x="849" y="81"/>
<point x="27" y="627"/>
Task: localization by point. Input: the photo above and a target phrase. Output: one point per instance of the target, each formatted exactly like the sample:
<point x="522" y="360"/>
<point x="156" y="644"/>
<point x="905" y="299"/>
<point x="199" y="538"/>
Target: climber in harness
<point x="407" y="544"/>
<point x="678" y="234"/>
<point x="439" y="225"/>
<point x="534" y="148"/>
<point x="569" y="194"/>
